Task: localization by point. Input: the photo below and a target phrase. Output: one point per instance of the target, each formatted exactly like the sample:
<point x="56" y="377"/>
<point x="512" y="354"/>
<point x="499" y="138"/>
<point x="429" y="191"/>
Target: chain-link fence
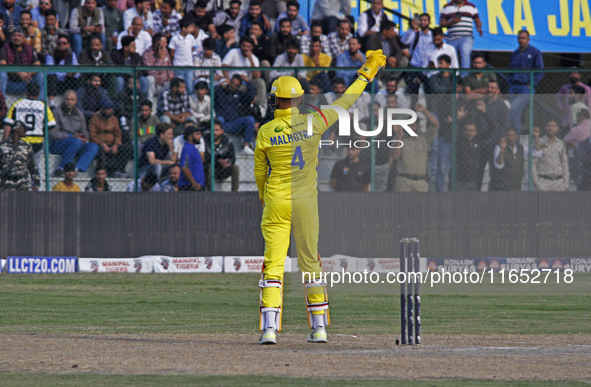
<point x="129" y="128"/>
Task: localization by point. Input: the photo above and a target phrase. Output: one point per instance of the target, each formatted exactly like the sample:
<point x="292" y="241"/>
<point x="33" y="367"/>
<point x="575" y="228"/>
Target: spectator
<point x="338" y="88"/>
<point x="95" y="55"/>
<point x="476" y="84"/>
<point x="3" y="107"/>
<point x="157" y="55"/>
<point x="192" y="177"/>
<point x="172" y="183"/>
<point x="50" y="33"/>
<point x="419" y="39"/>
<point x="441" y="48"/>
<point x="316" y="58"/>
<point x="208" y="58"/>
<point x="350" y="58"/>
<point x="584" y="151"/>
<point x="457" y="16"/>
<point x="224" y="156"/>
<point x="3" y="31"/>
<point x="99" y="182"/>
<point x="261" y="43"/>
<point x="148" y="183"/>
<point x="32" y="33"/>
<point x="243" y="57"/>
<point x="141" y="10"/>
<point x="299" y="26"/>
<point x="383" y="154"/>
<point x="105" y="132"/>
<point x="179" y="6"/>
<point x="315" y="32"/>
<point x="68" y="184"/>
<point x="509" y="157"/>
<point x="329" y="12"/>
<point x="18" y="170"/>
<point x="468" y="159"/>
<point x="279" y="40"/>
<point x="350" y="174"/>
<point x="255" y="14"/>
<point x="550" y="169"/>
<point x="113" y="23"/>
<point x="17" y="52"/>
<point x="576" y="101"/>
<point x="124" y="5"/>
<point x="201" y="102"/>
<point x="147" y="122"/>
<point x="11" y="13"/>
<point x="166" y="19"/>
<point x="386" y="40"/>
<point x="69" y="138"/>
<point x="391" y="88"/>
<point x="229" y="17"/>
<point x="203" y="20"/>
<point x="371" y="21"/>
<point x="174" y="106"/>
<point x="338" y="41"/>
<point x="411" y="159"/>
<point x="62" y="7"/>
<point x="90" y="96"/>
<point x="226" y="42"/>
<point x="124" y="107"/>
<point x="314" y="96"/>
<point x="580" y="132"/>
<point x="441" y="87"/>
<point x="31" y="112"/>
<point x="229" y="97"/>
<point x="524" y="57"/>
<point x="158" y="152"/>
<point x="199" y="36"/>
<point x="57" y="83"/>
<point x="290" y="58"/>
<point x="127" y="56"/>
<point x="563" y="96"/>
<point x="143" y="40"/>
<point x="181" y="50"/>
<point x="86" y="21"/>
<point x="179" y="140"/>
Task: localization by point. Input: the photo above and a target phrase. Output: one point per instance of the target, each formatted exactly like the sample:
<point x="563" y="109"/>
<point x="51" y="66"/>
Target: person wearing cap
<point x="286" y="158"/>
<point x="18" y="170"/>
<point x="17" y="52"/>
<point x="105" y="132"/>
<point x="67" y="185"/>
<point x="192" y="176"/>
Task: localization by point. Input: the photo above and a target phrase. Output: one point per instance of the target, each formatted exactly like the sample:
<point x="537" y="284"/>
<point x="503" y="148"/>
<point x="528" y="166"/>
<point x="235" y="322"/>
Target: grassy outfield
<point x="228" y="303"/>
<point x="204" y="303"/>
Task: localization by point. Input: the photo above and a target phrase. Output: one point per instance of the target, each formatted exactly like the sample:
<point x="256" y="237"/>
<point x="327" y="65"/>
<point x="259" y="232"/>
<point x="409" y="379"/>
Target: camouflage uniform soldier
<point x="17" y="167"/>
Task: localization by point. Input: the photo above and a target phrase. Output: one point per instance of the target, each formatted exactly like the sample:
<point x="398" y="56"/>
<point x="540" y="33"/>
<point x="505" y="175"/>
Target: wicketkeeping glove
<point x="375" y="60"/>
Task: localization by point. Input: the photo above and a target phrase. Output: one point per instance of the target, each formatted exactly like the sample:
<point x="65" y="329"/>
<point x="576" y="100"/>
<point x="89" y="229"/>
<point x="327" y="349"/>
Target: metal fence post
<point x="530" y="137"/>
<point x="46" y="131"/>
<point x="211" y="130"/>
<point x="135" y="124"/>
<point x="454" y="135"/>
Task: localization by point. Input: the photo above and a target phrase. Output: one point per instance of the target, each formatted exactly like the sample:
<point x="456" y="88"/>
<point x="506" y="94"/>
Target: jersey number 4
<point x="298" y="158"/>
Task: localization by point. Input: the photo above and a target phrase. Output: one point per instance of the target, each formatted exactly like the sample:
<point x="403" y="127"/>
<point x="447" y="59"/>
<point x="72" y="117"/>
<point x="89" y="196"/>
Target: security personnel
<point x="18" y="170"/>
<point x="286" y="158"/>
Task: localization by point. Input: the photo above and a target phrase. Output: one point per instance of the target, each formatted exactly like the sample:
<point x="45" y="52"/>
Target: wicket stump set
<point x="410" y="292"/>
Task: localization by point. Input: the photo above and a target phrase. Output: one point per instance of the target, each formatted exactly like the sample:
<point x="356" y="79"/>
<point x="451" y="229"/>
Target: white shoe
<point x="269" y="336"/>
<point x="318" y="336"/>
<point x="246" y="151"/>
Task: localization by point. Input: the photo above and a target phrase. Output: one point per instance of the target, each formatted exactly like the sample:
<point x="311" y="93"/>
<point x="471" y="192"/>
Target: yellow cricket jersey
<point x="286" y="156"/>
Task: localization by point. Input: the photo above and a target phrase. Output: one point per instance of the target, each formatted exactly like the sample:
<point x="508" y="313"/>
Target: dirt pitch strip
<point x="502" y="357"/>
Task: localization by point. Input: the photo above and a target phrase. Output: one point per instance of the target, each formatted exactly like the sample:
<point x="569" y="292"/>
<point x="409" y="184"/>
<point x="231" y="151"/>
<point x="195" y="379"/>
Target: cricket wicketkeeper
<point x="286" y="158"/>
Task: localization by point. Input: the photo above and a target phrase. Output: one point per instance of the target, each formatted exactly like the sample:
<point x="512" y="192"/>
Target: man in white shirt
<point x="208" y="58"/>
<point x="243" y="57"/>
<point x="141" y="9"/>
<point x="143" y="40"/>
<point x="371" y="20"/>
<point x="181" y="50"/>
<point x="441" y="48"/>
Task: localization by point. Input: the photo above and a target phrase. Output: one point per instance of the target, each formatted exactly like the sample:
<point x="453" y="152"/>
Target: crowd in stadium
<point x="91" y="116"/>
